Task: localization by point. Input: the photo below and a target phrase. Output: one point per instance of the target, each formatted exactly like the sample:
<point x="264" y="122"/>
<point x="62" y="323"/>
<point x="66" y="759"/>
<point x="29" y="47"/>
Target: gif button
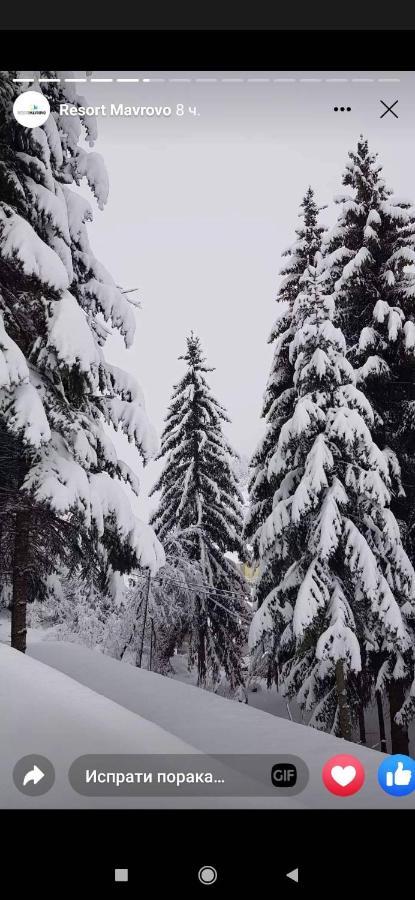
<point x="284" y="775"/>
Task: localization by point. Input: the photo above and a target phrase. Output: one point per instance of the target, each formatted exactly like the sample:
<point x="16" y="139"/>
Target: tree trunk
<point x="20" y="581"/>
<point x="399" y="734"/>
<point x="382" y="732"/>
<point x="343" y="703"/>
<point x="362" y="726"/>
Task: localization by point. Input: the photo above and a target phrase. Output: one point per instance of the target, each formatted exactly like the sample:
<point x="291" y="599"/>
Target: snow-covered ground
<point x="210" y="723"/>
<point x="259" y="696"/>
<point x="44" y="712"/>
<point x="97" y="704"/>
<point x="63" y="700"/>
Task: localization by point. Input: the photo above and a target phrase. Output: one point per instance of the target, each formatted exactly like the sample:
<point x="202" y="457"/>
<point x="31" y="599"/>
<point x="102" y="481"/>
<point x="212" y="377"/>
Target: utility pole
<point x="152" y="642"/>
<point x="143" y="629"/>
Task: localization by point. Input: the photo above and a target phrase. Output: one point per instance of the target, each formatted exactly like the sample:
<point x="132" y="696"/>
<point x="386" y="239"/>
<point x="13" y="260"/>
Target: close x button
<point x="389" y="109"/>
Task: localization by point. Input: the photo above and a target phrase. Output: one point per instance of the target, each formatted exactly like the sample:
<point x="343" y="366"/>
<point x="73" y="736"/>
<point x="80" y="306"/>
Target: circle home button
<point x="207" y="875"/>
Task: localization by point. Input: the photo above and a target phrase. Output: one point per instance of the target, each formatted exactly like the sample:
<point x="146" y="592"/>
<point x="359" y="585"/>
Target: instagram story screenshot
<point x="207" y="455"/>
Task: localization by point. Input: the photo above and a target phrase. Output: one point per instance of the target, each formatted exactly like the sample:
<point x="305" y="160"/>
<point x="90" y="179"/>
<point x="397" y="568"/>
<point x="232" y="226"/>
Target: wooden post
<point x="143" y="629"/>
<point x="152" y="642"/>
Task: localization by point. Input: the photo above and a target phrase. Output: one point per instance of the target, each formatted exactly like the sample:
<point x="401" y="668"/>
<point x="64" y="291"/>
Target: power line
<point x="207" y="591"/>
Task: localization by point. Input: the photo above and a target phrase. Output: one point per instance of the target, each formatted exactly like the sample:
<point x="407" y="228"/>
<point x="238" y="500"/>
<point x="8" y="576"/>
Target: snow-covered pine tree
<point x="345" y="580"/>
<point x="173" y="596"/>
<point x="368" y="255"/>
<point x="155" y="619"/>
<point x="125" y="619"/>
<point x="200" y="499"/>
<point x="74" y="608"/>
<point x="279" y="397"/>
<point x="61" y="494"/>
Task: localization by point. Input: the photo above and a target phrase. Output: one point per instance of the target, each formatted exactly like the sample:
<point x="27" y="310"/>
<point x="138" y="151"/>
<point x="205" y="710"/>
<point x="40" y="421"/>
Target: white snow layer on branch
<point x="261" y="625"/>
<point x="312" y="596"/>
<point x="113" y="305"/>
<point x="367" y="338"/>
<point x="282" y="310"/>
<point x="19" y="241"/>
<point x="374" y="367"/>
<point x="51" y="130"/>
<point x="50" y="204"/>
<point x="13" y="366"/>
<point x="409" y="333"/>
<point x="347" y="426"/>
<point x="109" y="500"/>
<point x="20" y="403"/>
<point x="305" y="415"/>
<point x="360" y="560"/>
<point x="132" y="419"/>
<point x="275" y="524"/>
<point x="362" y="257"/>
<point x="25" y="415"/>
<point x="129" y="476"/>
<point x="339" y="640"/>
<point x="90" y="165"/>
<point x="325" y="539"/>
<point x="394" y="211"/>
<point x="79" y="211"/>
<point x="58" y="480"/>
<point x="306" y="496"/>
<point x="125" y="384"/>
<point x="350" y="396"/>
<point x="395" y="320"/>
<point x="70" y="335"/>
<point x="373" y="217"/>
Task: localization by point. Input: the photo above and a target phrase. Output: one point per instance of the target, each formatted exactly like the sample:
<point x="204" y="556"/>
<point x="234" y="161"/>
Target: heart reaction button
<point x="343" y="775"/>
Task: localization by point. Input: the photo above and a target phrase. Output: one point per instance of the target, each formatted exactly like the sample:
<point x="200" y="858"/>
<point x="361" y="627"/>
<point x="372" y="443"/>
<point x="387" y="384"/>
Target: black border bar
<point x="223" y="50"/>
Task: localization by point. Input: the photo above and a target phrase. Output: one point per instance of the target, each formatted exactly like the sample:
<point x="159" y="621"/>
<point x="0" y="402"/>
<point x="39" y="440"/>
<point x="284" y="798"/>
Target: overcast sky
<point x="201" y="207"/>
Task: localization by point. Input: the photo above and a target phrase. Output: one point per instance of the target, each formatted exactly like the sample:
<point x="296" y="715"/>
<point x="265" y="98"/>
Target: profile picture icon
<point x="31" y="109"/>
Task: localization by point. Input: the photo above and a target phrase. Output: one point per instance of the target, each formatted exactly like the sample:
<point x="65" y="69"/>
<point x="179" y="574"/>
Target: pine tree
<point x="200" y="499"/>
<point x="172" y="613"/>
<point x="279" y="395"/>
<point x="61" y="497"/>
<point x="346" y="585"/>
<point x="155" y="618"/>
<point x="368" y="254"/>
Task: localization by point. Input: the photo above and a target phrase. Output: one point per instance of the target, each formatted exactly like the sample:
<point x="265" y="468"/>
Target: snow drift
<point x="214" y="725"/>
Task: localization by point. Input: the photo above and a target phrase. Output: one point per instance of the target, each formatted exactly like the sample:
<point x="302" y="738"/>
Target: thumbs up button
<point x="396" y="775"/>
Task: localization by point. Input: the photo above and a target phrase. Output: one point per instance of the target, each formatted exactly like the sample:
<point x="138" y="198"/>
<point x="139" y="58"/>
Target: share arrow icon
<point x="34" y="775"/>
